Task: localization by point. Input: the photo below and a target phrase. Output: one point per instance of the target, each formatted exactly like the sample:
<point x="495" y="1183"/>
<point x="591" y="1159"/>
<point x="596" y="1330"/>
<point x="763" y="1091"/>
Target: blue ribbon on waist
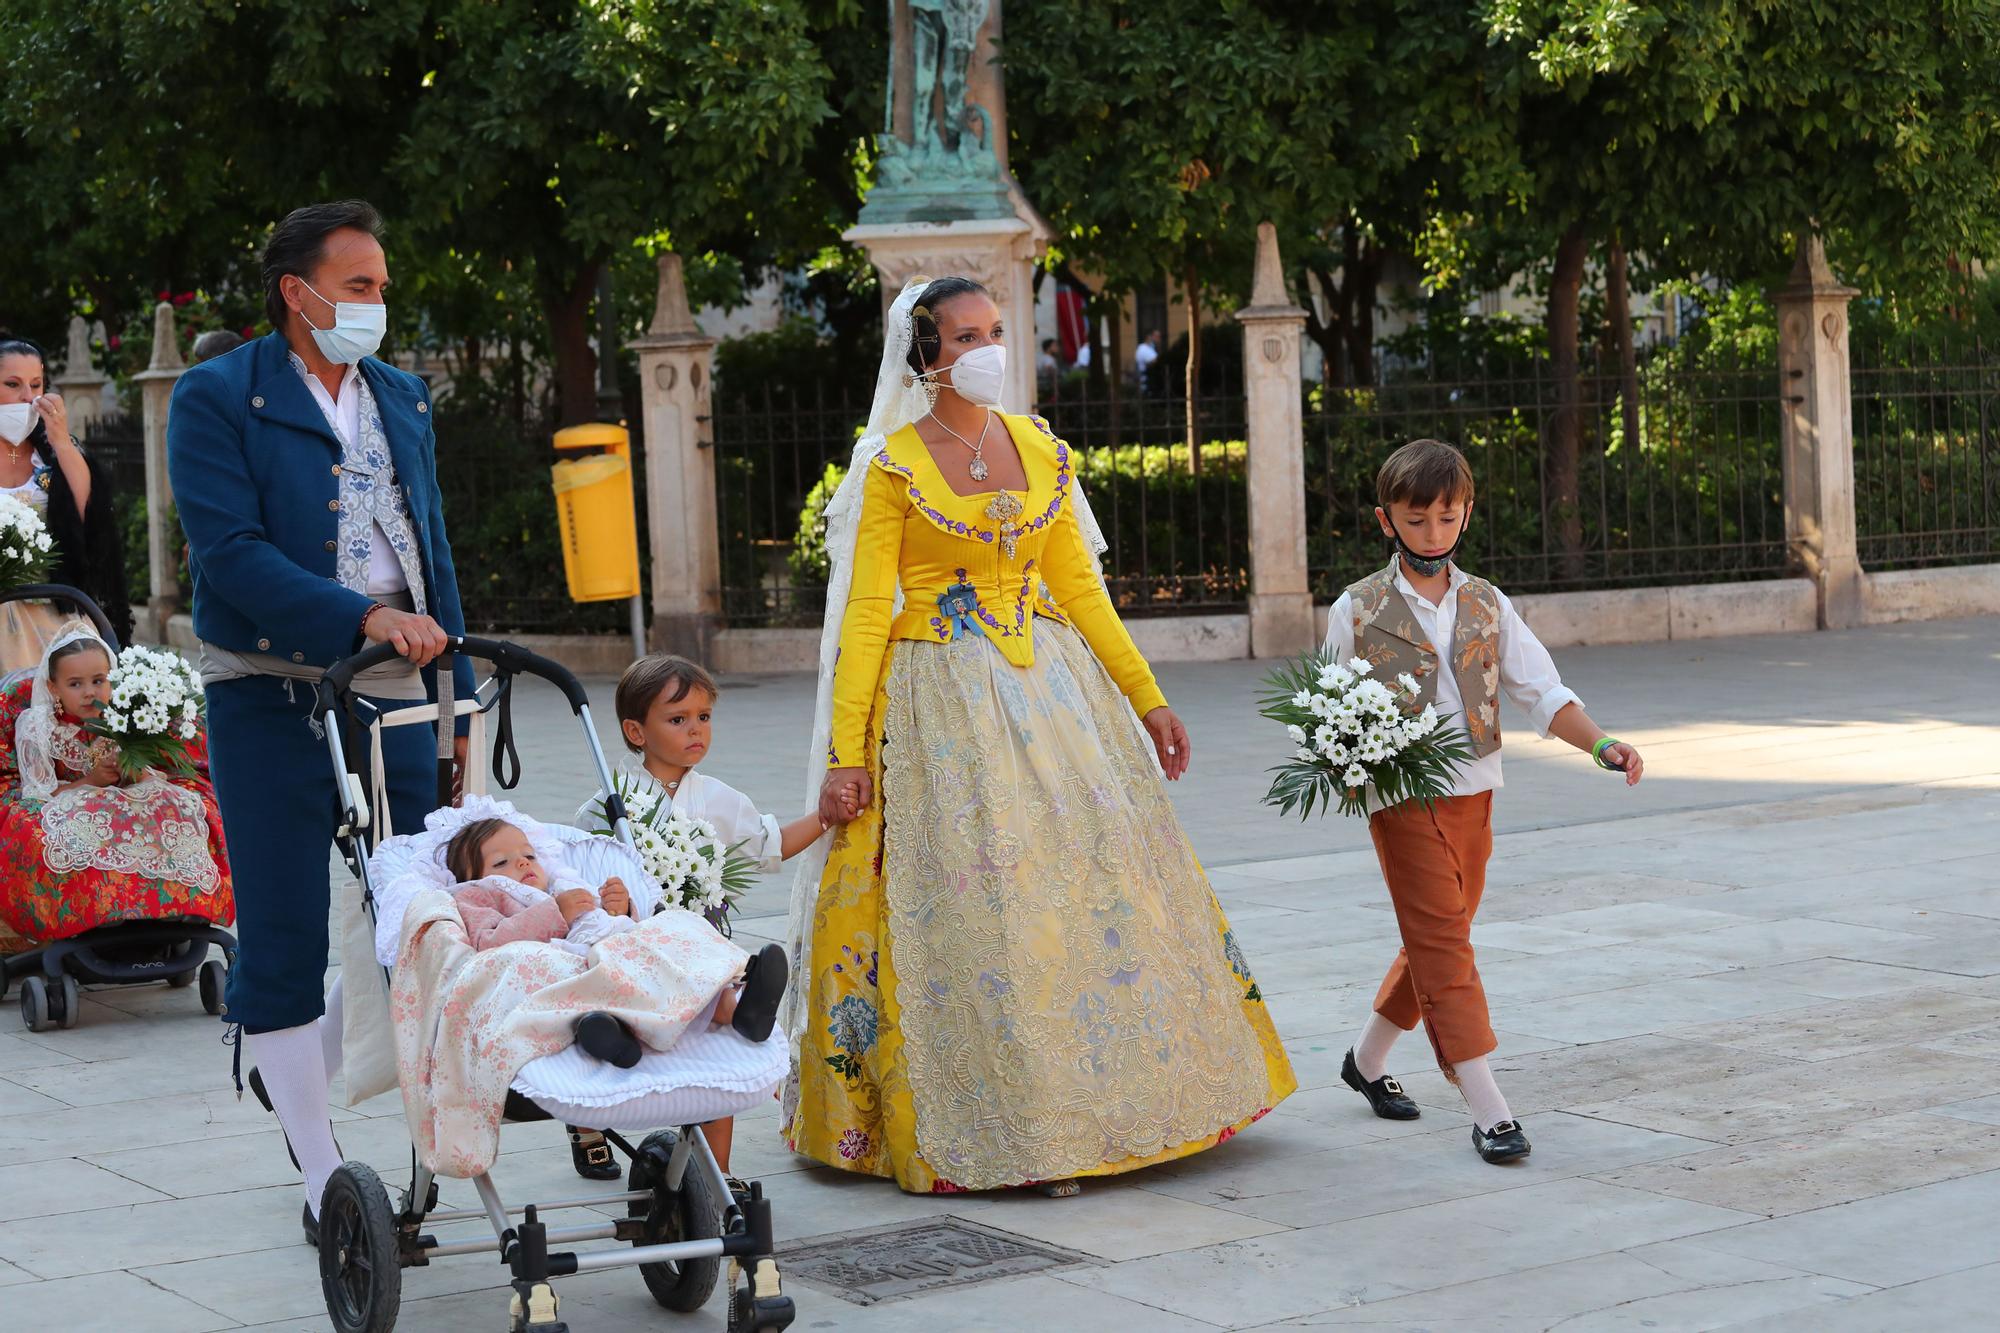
<point x="959" y="608"/>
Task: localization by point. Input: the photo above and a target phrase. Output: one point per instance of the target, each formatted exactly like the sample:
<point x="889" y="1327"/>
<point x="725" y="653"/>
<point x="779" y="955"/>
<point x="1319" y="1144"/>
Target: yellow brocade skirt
<point x="1019" y="972"/>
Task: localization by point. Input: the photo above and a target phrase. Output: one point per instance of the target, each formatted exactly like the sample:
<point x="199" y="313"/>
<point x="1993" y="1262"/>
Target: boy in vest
<point x="1462" y="640"/>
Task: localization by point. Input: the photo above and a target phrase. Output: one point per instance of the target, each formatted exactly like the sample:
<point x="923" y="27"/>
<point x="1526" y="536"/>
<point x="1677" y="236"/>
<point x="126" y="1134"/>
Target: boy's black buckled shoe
<point x="1385" y="1094"/>
<point x="1503" y="1143"/>
<point x="310" y="1223"/>
<point x="591" y="1155"/>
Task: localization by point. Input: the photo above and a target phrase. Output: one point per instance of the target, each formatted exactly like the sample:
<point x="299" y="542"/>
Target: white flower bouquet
<point x="1350" y="733"/>
<point x="25" y="547"/>
<point x="153" y="712"/>
<point x="695" y="869"/>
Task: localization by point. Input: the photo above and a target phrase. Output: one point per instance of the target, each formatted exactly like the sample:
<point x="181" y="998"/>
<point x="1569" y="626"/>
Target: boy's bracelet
<point x="1597" y="753"/>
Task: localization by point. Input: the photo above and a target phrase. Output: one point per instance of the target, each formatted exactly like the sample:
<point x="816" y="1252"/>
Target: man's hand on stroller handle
<point x="418" y="638"/>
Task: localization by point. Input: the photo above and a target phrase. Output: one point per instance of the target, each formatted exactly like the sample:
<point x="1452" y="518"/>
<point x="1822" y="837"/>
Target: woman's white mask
<point x="979" y="376"/>
<point x="17" y="421"/>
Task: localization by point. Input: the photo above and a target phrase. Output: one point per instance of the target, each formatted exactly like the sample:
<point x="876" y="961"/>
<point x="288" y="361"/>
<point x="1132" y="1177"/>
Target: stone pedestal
<point x="1282" y="623"/>
<point x="1816" y="431"/>
<point x="163" y="530"/>
<point x="676" y="363"/>
<point x="998" y="253"/>
<point x="81" y="384"/>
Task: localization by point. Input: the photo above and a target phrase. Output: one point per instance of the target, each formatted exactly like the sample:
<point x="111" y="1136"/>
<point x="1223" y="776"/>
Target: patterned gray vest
<point x="1386" y="633"/>
<point x="370" y="495"/>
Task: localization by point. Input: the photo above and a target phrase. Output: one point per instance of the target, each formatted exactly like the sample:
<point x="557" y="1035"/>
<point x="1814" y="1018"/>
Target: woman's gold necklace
<point x="978" y="470"/>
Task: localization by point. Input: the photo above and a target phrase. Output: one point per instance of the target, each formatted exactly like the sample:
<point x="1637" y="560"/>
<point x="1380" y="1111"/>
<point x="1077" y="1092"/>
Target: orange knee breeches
<point x="1435" y="864"/>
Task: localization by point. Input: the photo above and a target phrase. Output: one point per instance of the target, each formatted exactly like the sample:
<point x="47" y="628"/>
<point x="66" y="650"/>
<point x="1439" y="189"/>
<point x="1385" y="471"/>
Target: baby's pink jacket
<point x="492" y="918"/>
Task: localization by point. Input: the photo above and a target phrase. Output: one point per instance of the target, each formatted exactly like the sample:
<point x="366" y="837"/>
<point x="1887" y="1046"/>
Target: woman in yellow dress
<point x="1010" y="969"/>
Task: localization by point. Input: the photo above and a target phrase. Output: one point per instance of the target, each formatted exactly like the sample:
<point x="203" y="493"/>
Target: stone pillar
<point x="1816" y="432"/>
<point x="999" y="253"/>
<point x="676" y="362"/>
<point x="163" y="532"/>
<point x="1281" y="609"/>
<point x="80" y="384"/>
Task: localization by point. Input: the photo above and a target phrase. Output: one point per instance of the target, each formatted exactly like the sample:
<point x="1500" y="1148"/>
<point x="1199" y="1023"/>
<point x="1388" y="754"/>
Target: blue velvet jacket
<point x="253" y="464"/>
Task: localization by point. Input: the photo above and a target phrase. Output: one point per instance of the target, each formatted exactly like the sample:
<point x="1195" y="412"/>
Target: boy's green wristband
<point x="1597" y="752"/>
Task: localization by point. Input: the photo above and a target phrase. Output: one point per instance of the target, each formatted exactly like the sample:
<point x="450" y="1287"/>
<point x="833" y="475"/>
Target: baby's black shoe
<point x="764" y="980"/>
<point x="609" y="1040"/>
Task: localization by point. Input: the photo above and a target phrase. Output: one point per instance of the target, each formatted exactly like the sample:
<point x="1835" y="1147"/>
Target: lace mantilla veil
<point x="900" y="400"/>
<point x="35" y="728"/>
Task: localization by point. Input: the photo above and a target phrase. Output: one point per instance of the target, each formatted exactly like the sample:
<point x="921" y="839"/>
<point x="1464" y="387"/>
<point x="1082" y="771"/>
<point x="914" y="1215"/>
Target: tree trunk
<point x="1618" y="299"/>
<point x="1115" y="378"/>
<point x="567" y="310"/>
<point x="1561" y="502"/>
<point x="518" y="375"/>
<point x="1192" y="280"/>
<point x="1328" y="334"/>
<point x="1363" y="280"/>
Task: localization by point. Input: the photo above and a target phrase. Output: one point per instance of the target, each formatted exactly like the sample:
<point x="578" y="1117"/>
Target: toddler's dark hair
<point x="1423" y="472"/>
<point x="649" y="677"/>
<point x="74" y="649"/>
<point x="464" y="855"/>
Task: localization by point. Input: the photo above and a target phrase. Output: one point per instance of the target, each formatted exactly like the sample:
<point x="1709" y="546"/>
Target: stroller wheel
<point x="72" y="1003"/>
<point x="213" y="977"/>
<point x="359" y="1271"/>
<point x="184" y="953"/>
<point x="689" y="1213"/>
<point x="35" y="1014"/>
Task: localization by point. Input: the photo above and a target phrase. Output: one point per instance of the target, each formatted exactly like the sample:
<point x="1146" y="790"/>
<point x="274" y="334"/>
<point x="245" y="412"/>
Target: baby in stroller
<point x="607" y="1018"/>
<point x="507" y="895"/>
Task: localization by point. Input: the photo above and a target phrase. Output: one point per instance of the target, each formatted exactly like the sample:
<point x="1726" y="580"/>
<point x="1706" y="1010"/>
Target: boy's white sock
<point x="1481" y="1093"/>
<point x="330" y="1031"/>
<point x="293" y="1067"/>
<point x="1371" y="1050"/>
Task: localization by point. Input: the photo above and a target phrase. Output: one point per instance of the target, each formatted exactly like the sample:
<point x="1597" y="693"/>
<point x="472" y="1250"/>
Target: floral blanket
<point x="466" y="1021"/>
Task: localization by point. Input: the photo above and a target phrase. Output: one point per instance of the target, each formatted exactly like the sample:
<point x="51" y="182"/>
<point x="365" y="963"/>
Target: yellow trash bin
<point x="600" y="532"/>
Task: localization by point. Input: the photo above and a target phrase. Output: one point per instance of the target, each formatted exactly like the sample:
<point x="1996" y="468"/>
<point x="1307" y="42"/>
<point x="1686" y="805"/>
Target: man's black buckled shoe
<point x="1385" y="1094"/>
<point x="1503" y="1143"/>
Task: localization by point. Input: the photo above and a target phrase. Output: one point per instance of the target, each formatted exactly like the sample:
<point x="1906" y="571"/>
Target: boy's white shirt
<point x="736" y="819"/>
<point x="1528" y="674"/>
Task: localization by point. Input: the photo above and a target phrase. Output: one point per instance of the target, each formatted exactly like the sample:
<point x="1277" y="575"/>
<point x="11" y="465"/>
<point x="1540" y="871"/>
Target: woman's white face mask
<point x="979" y="376"/>
<point x="17" y="421"/>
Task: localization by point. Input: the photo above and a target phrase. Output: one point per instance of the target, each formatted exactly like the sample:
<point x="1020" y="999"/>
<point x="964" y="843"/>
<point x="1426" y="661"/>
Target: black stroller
<point x="683" y="1215"/>
<point x="130" y="953"/>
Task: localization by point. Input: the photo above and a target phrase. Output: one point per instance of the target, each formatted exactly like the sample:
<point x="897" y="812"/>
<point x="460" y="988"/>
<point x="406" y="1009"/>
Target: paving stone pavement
<point x="1748" y="1013"/>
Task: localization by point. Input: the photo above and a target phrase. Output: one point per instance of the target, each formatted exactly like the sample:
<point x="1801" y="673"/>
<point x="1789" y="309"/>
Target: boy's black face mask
<point x="1425" y="566"/>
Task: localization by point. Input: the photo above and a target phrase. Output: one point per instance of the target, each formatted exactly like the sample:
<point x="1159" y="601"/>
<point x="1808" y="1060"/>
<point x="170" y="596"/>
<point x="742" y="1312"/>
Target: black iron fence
<point x="1926" y="454"/>
<point x="118" y="444"/>
<point x="1676" y="472"/>
<point x="1178" y="535"/>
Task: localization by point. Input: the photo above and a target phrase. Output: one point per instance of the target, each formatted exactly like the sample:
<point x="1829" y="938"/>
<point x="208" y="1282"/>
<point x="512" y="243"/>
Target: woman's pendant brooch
<point x="1004" y="510"/>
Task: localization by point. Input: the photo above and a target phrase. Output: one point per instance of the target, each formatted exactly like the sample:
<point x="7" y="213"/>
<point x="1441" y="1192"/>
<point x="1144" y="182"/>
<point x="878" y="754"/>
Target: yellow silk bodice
<point x="990" y="563"/>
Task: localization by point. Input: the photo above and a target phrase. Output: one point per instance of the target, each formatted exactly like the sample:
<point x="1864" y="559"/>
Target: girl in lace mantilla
<point x="108" y="849"/>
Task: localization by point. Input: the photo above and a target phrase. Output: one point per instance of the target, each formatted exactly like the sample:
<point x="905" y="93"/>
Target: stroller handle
<point x="62" y="592"/>
<point x="509" y="657"/>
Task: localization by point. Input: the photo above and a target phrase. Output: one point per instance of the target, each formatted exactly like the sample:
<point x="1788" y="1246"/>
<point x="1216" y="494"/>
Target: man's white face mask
<point x="357" y="329"/>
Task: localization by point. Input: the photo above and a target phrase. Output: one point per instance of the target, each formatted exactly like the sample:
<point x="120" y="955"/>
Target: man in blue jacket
<point x="305" y="473"/>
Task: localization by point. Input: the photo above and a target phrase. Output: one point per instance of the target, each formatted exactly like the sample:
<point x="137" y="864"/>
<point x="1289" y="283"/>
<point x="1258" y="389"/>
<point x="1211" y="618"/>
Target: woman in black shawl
<point x="46" y="470"/>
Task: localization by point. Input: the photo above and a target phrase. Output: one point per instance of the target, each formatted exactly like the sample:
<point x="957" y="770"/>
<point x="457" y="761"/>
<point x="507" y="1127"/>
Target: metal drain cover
<point x="916" y="1257"/>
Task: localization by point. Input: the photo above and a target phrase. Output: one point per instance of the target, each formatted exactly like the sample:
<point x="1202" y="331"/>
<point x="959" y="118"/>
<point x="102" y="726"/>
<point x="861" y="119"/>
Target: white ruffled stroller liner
<point x="708" y="1074"/>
